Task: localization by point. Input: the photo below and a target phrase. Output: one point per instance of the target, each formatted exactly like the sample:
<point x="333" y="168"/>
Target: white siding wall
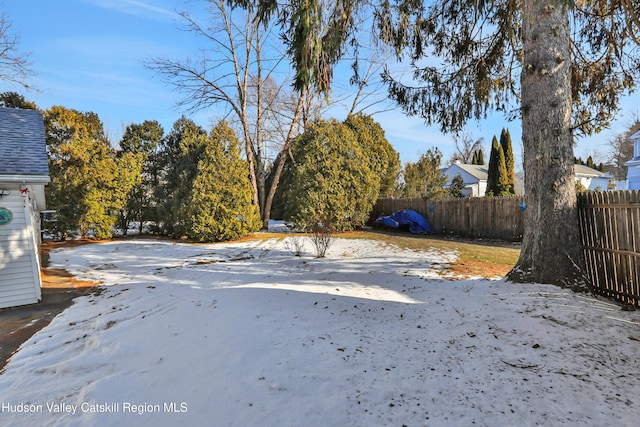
<point x="482" y="189"/>
<point x="19" y="261"/>
<point x="473" y="187"/>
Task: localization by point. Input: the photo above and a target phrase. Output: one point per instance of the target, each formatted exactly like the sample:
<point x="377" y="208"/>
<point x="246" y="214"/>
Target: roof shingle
<point x="23" y="147"/>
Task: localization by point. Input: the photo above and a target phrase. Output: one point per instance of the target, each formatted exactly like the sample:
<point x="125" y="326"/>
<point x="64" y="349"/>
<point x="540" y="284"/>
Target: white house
<point x="633" y="165"/>
<point x="474" y="177"/>
<point x="24" y="173"/>
<point x="594" y="180"/>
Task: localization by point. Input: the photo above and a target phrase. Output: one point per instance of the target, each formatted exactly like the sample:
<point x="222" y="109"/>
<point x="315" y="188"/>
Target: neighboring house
<point x="594" y="180"/>
<point x="24" y="173"/>
<point x="633" y="165"/>
<point x="474" y="177"/>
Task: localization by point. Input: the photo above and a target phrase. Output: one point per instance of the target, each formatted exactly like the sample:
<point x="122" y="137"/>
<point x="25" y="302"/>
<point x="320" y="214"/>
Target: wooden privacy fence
<point x="610" y="227"/>
<point x="488" y="218"/>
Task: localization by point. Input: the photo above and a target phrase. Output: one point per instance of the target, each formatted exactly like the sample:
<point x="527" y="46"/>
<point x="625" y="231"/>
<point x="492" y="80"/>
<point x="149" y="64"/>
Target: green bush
<point x="333" y="180"/>
<point x="424" y="178"/>
<point x="89" y="181"/>
<point x="206" y="195"/>
<point x="220" y="205"/>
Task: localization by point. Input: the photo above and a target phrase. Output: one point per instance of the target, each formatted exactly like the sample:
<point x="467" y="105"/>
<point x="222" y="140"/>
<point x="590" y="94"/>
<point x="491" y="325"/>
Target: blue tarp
<point x="406" y="218"/>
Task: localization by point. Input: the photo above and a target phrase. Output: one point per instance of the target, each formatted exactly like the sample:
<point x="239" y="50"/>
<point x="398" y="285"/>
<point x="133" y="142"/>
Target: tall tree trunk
<point x="251" y="157"/>
<point x="284" y="154"/>
<point x="551" y="250"/>
<point x="260" y="164"/>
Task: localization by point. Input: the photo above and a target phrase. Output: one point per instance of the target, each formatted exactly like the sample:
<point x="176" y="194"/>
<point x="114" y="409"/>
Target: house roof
<point x="480" y="172"/>
<point x="23" y="147"/>
<point x="586" y="171"/>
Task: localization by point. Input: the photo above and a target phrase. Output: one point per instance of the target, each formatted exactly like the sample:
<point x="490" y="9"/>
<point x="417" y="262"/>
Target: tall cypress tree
<point x="480" y="157"/>
<point x="503" y="188"/>
<point x="492" y="177"/>
<point x="507" y="148"/>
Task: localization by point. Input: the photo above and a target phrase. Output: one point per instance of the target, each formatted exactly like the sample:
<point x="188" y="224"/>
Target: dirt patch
<point x="59" y="288"/>
<point x="469" y="268"/>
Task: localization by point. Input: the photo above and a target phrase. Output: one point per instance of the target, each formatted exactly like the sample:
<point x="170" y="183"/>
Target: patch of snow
<point x="247" y="334"/>
<point x="279" y="226"/>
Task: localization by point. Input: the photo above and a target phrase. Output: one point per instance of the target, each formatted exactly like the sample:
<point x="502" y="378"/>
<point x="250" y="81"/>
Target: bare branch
<point x="237" y="72"/>
<point x="14" y="66"/>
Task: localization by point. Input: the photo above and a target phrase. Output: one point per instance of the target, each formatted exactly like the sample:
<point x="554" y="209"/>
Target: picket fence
<point x="609" y="224"/>
<point x="610" y="227"/>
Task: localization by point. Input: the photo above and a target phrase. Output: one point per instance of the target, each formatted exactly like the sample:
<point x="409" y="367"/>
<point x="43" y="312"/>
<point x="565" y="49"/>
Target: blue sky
<point x="88" y="54"/>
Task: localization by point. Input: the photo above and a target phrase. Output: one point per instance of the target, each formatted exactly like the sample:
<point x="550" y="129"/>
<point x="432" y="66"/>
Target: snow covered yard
<point x="247" y="334"/>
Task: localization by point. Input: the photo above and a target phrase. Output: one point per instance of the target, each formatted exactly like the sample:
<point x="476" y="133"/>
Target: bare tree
<point x="14" y="66"/>
<point x="370" y="95"/>
<point x="465" y="147"/>
<point x="239" y="72"/>
<point x="621" y="150"/>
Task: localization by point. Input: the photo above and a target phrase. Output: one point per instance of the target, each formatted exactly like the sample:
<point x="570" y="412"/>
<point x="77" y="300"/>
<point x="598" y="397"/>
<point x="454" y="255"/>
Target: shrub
<point x="220" y="205"/>
<point x="333" y="178"/>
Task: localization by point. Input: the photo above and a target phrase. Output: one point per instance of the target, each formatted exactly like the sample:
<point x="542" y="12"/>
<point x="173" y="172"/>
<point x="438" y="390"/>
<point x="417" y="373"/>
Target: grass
<point x="475" y="257"/>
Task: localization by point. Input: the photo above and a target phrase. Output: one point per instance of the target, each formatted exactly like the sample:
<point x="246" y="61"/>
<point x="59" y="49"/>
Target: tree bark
<point x="551" y="251"/>
<point x="284" y="153"/>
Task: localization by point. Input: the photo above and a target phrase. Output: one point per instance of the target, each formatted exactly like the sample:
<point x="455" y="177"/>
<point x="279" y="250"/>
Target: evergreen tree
<point x="141" y="140"/>
<point x="220" y="204"/>
<point x="492" y="175"/>
<point x="337" y="171"/>
<point x="424" y="178"/>
<point x="590" y="163"/>
<point x="384" y="160"/>
<point x="507" y="149"/>
<point x="503" y="187"/>
<point x="15" y="100"/>
<point x="332" y="181"/>
<point x="480" y="157"/>
<point x="179" y="155"/>
<point x="88" y="183"/>
<point x="130" y="166"/>
<point x="474" y="161"/>
<point x="206" y="194"/>
<point x="456" y="187"/>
